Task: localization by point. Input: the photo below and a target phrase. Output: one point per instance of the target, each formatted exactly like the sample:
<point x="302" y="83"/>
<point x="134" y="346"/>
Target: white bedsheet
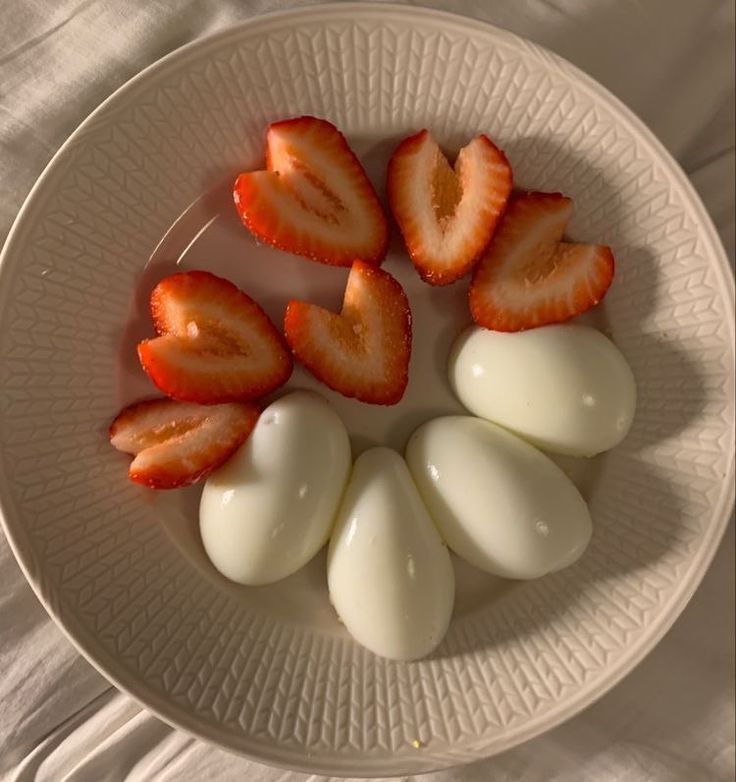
<point x="672" y="61"/>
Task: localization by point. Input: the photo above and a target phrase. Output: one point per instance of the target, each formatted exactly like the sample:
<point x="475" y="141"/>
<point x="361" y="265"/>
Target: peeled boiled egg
<point x="497" y="501"/>
<point x="269" y="509"/>
<point x="565" y="388"/>
<point x="390" y="577"/>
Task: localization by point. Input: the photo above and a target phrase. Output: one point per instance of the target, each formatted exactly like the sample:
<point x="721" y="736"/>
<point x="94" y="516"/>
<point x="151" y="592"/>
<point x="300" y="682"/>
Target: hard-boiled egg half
<point x="270" y="509"/>
<point x="498" y="502"/>
<point x="565" y="388"/>
<point x="390" y="577"/>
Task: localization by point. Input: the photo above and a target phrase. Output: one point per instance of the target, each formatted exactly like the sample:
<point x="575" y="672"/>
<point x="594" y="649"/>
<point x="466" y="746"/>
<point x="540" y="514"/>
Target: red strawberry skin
<point x="529" y="277"/>
<point x="447" y="215"/>
<point x="216" y="344"/>
<point x="178" y="443"/>
<point x="314" y="199"/>
<point x="364" y="351"/>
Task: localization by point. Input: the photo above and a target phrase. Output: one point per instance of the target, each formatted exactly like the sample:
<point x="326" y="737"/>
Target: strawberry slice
<point x="178" y="443"/>
<point x="216" y="344"/>
<point x="314" y="198"/>
<point x="528" y="277"/>
<point x="447" y="215"/>
<point x="364" y="351"/>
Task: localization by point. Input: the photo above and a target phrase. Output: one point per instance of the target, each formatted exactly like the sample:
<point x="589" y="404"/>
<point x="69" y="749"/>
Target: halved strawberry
<point x="528" y="277"/>
<point x="314" y="198"/>
<point x="177" y="443"/>
<point x="447" y="215"/>
<point x="216" y="343"/>
<point x="364" y="351"/>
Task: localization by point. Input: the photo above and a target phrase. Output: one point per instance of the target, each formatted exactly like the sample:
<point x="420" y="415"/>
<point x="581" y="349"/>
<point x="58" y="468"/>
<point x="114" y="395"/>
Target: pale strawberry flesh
<point x="529" y="277"/>
<point x="364" y="351"/>
<point x="314" y="198"/>
<point x="178" y="443"/>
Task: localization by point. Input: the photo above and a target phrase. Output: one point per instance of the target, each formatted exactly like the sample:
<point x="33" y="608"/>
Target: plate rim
<point x="379" y="767"/>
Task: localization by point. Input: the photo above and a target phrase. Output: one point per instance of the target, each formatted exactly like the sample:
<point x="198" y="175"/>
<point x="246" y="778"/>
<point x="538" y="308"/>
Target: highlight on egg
<point x="498" y="502"/>
<point x="390" y="577"/>
<point x="566" y="388"/>
<point x="268" y="511"/>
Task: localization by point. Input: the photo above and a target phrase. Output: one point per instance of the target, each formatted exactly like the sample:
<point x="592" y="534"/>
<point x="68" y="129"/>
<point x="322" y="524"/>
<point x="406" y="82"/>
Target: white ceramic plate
<point x="144" y="186"/>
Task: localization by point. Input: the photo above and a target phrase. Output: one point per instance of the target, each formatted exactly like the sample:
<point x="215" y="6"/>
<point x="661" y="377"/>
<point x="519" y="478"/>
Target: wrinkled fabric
<point x="672" y="62"/>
